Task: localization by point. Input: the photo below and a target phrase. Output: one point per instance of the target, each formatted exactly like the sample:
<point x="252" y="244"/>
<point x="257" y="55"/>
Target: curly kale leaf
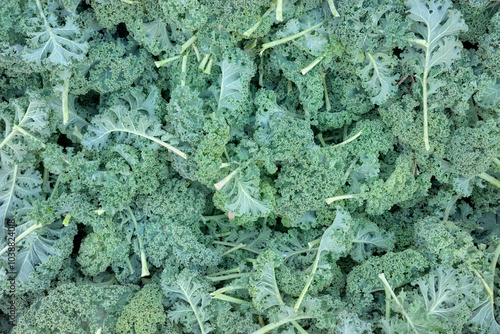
<point x="377" y="77"/>
<point x="78" y="309"/>
<point x="123" y="123"/>
<point x="241" y="193"/>
<point x="53" y="44"/>
<point x="230" y="86"/>
<point x="436" y="25"/>
<point x="263" y="285"/>
<point x="17" y="189"/>
<point x="25" y="125"/>
<point x="152" y="35"/>
<point x="190" y="300"/>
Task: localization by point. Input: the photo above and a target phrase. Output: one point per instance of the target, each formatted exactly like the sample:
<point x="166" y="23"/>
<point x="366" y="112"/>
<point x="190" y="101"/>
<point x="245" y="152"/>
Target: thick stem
<point x="309" y="281"/>
<point x="204" y="62"/>
<point x="279" y="10"/>
<point x="387" y="304"/>
<point x="235" y="248"/>
<point x="227" y="298"/>
<point x="349" y="140"/>
<point x="219" y="185"/>
<point x="388" y="288"/>
<point x="229" y="271"/>
<point x="490" y="179"/>
<point x="196" y="52"/>
<point x="183" y="69"/>
<point x="299" y="327"/>
<point x="208" y="69"/>
<point x="338" y="198"/>
<point x="321" y="139"/>
<point x="144" y="263"/>
<point x="226" y="277"/>
<point x="23" y="235"/>
<point x="312" y="65"/>
<point x="333" y="9"/>
<point x="424" y="96"/>
<point x="58" y="182"/>
<point x="290" y="38"/>
<point x="223" y="243"/>
<point x="188" y="43"/>
<point x="65" y="101"/>
<point x="274" y="325"/>
<point x="160" y="63"/>
<point x="216" y="217"/>
<point x="252" y="29"/>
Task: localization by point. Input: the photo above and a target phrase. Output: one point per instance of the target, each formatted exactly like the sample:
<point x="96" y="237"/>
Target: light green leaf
<point x="377" y="77"/>
<point x="59" y="45"/>
<point x="230" y="86"/>
<point x="263" y="285"/>
<point x="153" y="35"/>
<point x="243" y="198"/>
<point x="17" y="187"/>
<point x="489" y="94"/>
<point x="121" y="122"/>
<point x="190" y="302"/>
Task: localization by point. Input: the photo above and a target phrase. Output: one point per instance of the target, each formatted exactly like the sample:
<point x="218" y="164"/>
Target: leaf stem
<point x="349" y="140"/>
<point x="272" y="44"/>
<point x="219" y="185"/>
<point x="327" y="99"/>
<point x="312" y="65"/>
<point x="188" y="43"/>
<point x="279" y="11"/>
<point x="338" y="198"/>
<point x="226" y="277"/>
<point x="388" y="288"/>
<point x="490" y="179"/>
<point x="424" y="96"/>
<point x="160" y="63"/>
<point x="144" y="263"/>
<point x="64" y="102"/>
<point x="274" y="325"/>
<point x="333" y="9"/>
<point x="23" y="235"/>
<point x="252" y="29"/>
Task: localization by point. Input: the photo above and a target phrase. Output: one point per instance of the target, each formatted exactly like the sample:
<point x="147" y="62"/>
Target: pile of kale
<point x="236" y="166"/>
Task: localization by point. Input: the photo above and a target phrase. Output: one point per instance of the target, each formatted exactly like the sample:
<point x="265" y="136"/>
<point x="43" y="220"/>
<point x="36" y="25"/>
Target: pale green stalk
<point x="391" y="292"/>
<point x="290" y="38"/>
<point x="349" y="140"/>
<point x="312" y="65"/>
<point x="65" y="100"/>
<point x="204" y="61"/>
<point x="23" y="235"/>
<point x="252" y="29"/>
<point x="144" y="263"/>
<point x="279" y="10"/>
<point x="490" y="179"/>
<point x="333" y="9"/>
<point x="160" y="63"/>
<point x="188" y="43"/>
<point x="283" y="321"/>
<point x="338" y="198"/>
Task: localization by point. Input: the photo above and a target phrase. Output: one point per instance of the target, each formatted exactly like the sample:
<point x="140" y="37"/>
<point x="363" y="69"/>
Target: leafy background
<point x="254" y="166"/>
